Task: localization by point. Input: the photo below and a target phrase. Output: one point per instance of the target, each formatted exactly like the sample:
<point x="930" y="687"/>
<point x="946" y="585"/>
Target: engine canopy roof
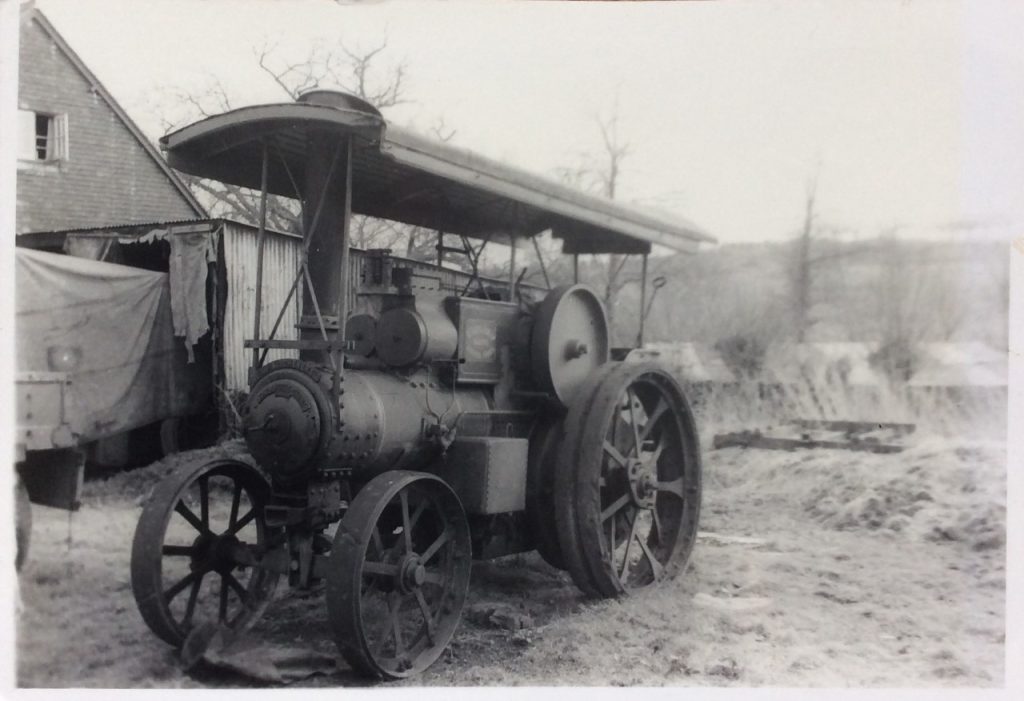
<point x="404" y="177"/>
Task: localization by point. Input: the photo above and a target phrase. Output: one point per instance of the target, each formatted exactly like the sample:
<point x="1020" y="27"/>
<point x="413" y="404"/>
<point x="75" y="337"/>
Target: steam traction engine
<point x="426" y="423"/>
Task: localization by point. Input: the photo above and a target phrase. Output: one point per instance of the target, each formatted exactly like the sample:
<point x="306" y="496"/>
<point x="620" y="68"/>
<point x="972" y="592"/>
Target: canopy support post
<point x="440" y="247"/>
<point x="643" y="302"/>
<point x="540" y="260"/>
<point x="338" y="355"/>
<point x="261" y="237"/>
<point x="511" y="265"/>
<point x="575" y="268"/>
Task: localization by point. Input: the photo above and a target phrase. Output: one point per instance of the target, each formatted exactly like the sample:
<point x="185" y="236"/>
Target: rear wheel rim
<point x="540" y="486"/>
<point x="637" y="481"/>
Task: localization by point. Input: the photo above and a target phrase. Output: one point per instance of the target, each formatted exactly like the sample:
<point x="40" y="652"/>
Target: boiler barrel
<point x="401" y="415"/>
<point x="383" y="420"/>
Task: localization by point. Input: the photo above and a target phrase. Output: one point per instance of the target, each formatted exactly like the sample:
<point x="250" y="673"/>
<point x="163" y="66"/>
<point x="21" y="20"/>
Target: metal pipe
<point x="260" y="242"/>
<point x="501" y="412"/>
<point x="643" y="302"/>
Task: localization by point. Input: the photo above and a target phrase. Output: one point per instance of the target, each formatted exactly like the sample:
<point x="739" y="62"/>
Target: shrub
<point x="743" y="353"/>
<point x="897" y="359"/>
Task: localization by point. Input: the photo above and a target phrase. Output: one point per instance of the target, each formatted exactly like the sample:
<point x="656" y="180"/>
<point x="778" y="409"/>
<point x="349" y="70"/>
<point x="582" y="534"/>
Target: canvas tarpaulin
<point x="110" y="326"/>
<point x="190" y="255"/>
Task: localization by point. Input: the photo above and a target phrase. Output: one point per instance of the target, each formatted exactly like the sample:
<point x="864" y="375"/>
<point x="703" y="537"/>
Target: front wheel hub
<point x="216" y="553"/>
<point x="411" y="574"/>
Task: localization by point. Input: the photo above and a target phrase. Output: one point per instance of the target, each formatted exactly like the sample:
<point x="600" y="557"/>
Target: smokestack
<point x="327" y="208"/>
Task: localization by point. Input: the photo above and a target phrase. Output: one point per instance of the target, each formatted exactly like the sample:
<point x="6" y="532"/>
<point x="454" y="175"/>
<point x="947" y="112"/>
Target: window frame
<point x="57" y="142"/>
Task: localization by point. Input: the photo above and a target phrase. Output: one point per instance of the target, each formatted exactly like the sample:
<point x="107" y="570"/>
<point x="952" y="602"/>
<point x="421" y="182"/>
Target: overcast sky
<point x="911" y="113"/>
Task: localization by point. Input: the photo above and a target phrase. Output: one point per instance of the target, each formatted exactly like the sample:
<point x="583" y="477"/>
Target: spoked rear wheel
<point x="629" y="499"/>
<point x="399" y="574"/>
<point x="195" y="548"/>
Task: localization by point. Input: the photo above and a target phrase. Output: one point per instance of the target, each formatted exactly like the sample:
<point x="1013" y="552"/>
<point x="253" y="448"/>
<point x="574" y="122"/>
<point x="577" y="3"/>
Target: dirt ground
<point x="812" y="568"/>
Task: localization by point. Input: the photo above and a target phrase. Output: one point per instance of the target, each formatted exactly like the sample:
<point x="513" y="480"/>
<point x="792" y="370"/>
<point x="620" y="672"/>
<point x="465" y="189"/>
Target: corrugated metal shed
<point x="964" y="353"/>
<point x="970" y="364"/>
<point x="281" y="260"/>
<point x="841" y="362"/>
<point x="237" y="253"/>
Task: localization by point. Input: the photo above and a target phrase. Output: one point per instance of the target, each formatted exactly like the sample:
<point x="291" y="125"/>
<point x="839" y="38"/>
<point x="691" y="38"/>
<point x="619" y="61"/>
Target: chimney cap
<point x="338" y="100"/>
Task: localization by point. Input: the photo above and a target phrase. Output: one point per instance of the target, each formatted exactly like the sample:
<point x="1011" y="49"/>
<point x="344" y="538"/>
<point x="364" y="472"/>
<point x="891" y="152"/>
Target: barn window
<point x="42" y="136"/>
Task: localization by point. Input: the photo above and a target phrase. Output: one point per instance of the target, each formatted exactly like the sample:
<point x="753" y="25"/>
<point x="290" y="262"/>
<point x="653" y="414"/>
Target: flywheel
<point x="399" y="574"/>
<point x="628" y="490"/>
<point x="569" y="340"/>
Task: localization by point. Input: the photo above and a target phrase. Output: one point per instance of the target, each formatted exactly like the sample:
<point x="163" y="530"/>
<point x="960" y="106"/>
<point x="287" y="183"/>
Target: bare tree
<point x="358" y="72"/>
<point x="615" y="152"/>
<point x="802" y="272"/>
<point x="364" y="72"/>
<point x="601" y="174"/>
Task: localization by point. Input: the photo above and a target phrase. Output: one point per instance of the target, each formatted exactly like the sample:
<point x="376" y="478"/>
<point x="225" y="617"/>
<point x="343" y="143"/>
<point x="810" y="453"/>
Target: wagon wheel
<point x="566" y="459"/>
<point x="195" y="548"/>
<point x="399" y="574"/>
<point x="630" y="499"/>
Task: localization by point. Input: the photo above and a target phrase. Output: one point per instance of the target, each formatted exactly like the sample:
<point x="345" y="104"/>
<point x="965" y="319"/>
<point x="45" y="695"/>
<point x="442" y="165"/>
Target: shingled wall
<point x="109" y="176"/>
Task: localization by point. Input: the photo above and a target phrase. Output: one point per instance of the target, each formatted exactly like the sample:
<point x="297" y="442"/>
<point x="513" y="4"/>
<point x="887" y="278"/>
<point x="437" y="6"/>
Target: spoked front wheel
<point x="398" y="575"/>
<point x="196" y="547"/>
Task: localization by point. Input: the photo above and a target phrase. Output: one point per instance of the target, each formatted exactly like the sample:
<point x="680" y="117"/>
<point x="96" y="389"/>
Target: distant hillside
<point x="872" y="290"/>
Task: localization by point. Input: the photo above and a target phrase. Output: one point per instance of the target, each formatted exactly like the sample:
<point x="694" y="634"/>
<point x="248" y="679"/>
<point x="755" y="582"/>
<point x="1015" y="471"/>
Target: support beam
<point x="261" y="237"/>
<point x="540" y="261"/>
<point x="511" y="264"/>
